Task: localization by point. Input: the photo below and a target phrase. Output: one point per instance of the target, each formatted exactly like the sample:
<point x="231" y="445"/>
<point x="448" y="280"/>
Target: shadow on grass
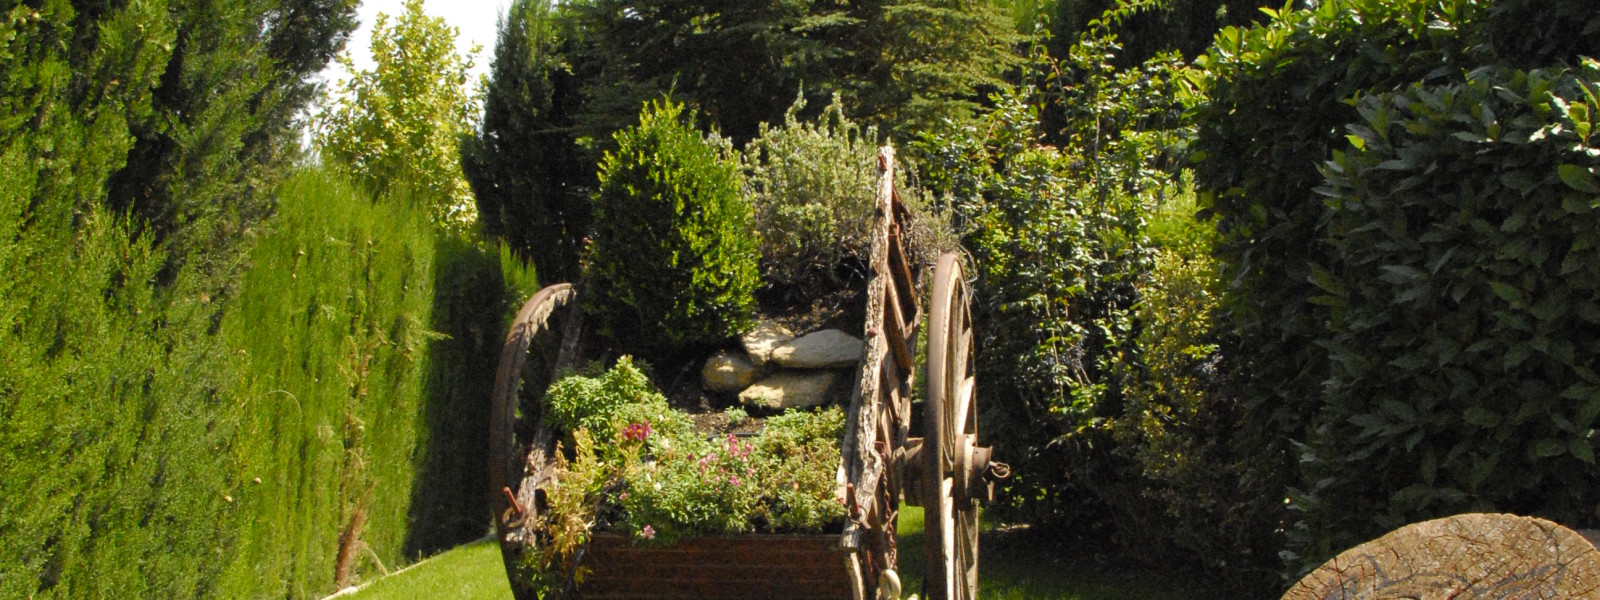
<point x="1018" y="563"/>
<point x="476" y="291"/>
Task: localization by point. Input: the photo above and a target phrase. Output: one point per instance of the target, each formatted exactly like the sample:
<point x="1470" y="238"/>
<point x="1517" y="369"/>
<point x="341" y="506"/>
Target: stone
<point x="760" y="342"/>
<point x="790" y="389"/>
<point x="826" y="349"/>
<point x="728" y="372"/>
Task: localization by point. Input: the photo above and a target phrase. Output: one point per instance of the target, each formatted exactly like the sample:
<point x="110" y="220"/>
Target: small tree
<point x="673" y="261"/>
<point x="399" y="123"/>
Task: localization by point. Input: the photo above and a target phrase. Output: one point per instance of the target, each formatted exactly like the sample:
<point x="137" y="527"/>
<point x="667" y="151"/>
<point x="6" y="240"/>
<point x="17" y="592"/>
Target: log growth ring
<point x="1464" y="556"/>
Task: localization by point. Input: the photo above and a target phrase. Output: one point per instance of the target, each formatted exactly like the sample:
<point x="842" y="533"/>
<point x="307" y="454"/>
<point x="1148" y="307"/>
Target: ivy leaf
<point x="1548" y="447"/>
<point x="1578" y="178"/>
<point x="1480" y="416"/>
<point x="1580" y="450"/>
<point x="1506" y="292"/>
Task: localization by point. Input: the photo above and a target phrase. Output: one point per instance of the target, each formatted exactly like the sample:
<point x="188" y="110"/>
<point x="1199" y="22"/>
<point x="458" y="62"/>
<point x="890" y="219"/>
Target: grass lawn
<point x="1015" y="565"/>
<point x="471" y="571"/>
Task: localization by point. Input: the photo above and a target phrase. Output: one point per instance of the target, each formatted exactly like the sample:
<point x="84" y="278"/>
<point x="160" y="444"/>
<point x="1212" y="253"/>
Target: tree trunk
<point x="1464" y="556"/>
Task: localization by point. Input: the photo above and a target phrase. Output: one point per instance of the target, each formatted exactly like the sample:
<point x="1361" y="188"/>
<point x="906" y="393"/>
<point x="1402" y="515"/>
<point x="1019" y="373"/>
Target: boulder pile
<point x="777" y="370"/>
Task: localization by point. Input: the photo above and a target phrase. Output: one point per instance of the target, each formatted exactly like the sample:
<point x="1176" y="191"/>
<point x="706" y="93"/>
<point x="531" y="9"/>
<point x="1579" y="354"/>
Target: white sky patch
<point x="475" y="21"/>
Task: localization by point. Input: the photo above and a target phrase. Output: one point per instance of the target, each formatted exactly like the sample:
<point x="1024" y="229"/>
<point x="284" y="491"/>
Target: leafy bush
<point x="1463" y="308"/>
<point x="1057" y="248"/>
<point x="673" y="261"/>
<point x="603" y="404"/>
<point x="1278" y="100"/>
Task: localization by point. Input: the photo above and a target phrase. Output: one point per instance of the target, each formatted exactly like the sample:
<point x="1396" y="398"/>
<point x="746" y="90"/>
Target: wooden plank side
<point x="754" y="566"/>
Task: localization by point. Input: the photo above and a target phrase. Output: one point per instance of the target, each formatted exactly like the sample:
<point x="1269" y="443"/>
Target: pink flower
<point x="648" y="532"/>
<point x="636" y="432"/>
<point x="622" y="497"/>
<point x="733" y="479"/>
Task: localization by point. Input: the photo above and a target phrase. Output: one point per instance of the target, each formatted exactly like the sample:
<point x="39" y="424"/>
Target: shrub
<point x="813" y="186"/>
<point x="1057" y="248"/>
<point x="1278" y="101"/>
<point x="798" y="453"/>
<point x="673" y="261"/>
<point x="604" y="404"/>
<point x="1463" y="302"/>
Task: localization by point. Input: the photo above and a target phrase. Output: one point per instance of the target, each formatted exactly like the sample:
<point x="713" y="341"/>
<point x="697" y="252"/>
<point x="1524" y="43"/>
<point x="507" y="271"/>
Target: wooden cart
<point x="945" y="471"/>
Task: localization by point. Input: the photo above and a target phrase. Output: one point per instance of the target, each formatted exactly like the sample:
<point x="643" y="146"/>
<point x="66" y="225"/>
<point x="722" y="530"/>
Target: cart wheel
<point x="955" y="464"/>
<point x="527" y="363"/>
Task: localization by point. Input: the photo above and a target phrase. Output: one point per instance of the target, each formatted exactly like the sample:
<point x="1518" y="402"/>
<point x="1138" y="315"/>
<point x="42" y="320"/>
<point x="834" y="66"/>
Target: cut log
<point x="1464" y="556"/>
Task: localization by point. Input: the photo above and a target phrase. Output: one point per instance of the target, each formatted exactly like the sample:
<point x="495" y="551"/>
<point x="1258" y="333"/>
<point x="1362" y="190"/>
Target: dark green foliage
<point x="231" y="79"/>
<point x="1145" y="27"/>
<point x="113" y="384"/>
<point x="674" y="261"/>
<point x="1280" y="101"/>
<point x="531" y="180"/>
<point x="1273" y="113"/>
<point x="1464" y="308"/>
<point x="900" y="64"/>
<point x="1094" y="304"/>
<point x="1529" y="34"/>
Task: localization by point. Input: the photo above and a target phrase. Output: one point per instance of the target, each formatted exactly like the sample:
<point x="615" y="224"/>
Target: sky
<point x="475" y="19"/>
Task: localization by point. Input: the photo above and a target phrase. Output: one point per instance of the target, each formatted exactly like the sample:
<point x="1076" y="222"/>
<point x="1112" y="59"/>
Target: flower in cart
<point x="648" y="532"/>
<point x="636" y="432"/>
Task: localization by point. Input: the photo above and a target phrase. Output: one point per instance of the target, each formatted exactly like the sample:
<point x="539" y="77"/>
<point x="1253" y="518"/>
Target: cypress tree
<point x="529" y="176"/>
<point x="135" y="138"/>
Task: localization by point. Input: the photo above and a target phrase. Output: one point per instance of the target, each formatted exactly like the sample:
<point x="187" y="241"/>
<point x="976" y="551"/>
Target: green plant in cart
<point x="672" y="262"/>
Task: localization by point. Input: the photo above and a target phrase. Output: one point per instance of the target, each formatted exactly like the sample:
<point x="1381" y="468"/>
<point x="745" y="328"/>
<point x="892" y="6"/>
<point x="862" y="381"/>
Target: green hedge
<point x="113" y="405"/>
<point x="366" y="341"/>
<point x="1279" y="100"/>
<point x="155" y="446"/>
<point x="1464" y="308"/>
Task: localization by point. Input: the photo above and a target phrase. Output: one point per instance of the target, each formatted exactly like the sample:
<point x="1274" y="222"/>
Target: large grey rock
<point x="826" y="349"/>
<point x="760" y="342"/>
<point x="789" y="389"/>
<point x="728" y="372"/>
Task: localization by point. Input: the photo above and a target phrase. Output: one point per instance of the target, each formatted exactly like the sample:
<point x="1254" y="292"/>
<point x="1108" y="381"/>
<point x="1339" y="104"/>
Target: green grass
<point x="468" y="572"/>
<point x="1014" y="565"/>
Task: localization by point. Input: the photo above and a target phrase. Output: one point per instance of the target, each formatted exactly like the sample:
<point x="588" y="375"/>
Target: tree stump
<point x="1464" y="556"/>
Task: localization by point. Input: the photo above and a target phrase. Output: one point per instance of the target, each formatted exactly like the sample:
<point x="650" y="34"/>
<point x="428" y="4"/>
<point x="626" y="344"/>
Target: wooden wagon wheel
<point x="519" y="444"/>
<point x="954" y="471"/>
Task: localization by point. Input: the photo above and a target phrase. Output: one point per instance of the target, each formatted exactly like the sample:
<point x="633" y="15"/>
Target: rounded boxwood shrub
<point x="673" y="260"/>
